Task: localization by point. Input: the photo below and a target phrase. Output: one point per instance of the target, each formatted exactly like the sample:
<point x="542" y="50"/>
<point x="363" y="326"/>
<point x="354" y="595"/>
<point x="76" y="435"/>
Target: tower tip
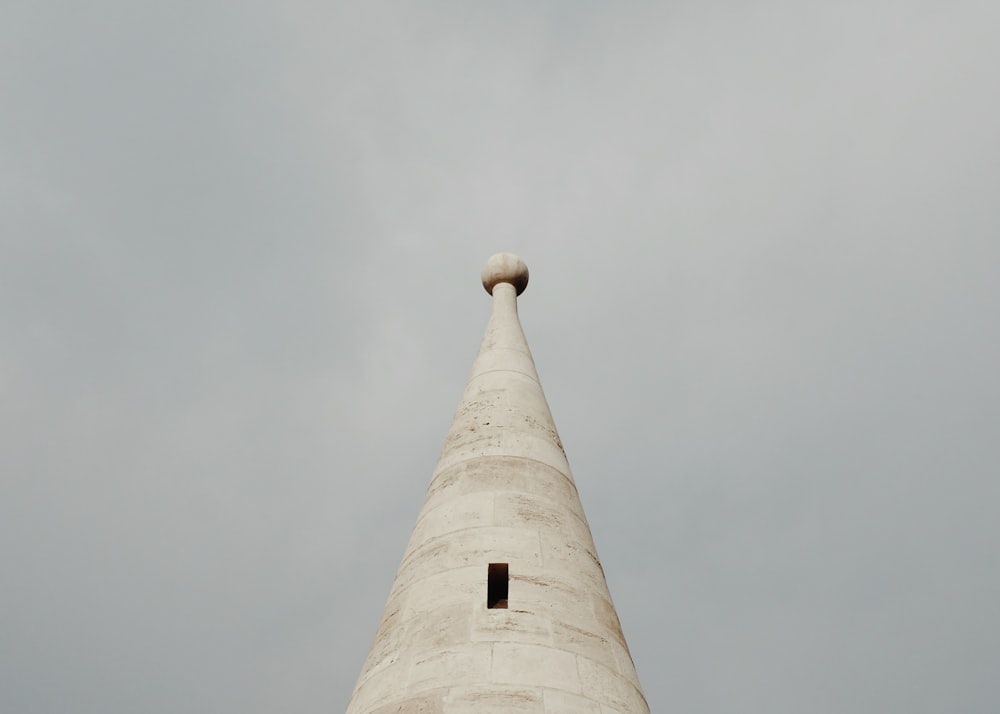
<point x="505" y="268"/>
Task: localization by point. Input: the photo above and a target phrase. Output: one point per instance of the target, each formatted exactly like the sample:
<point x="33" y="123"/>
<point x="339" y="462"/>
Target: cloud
<point x="239" y="296"/>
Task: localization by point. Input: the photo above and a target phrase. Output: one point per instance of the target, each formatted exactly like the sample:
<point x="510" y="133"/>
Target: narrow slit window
<point x="496" y="589"/>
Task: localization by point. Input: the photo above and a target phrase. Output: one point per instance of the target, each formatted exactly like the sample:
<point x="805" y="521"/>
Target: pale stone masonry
<point x="500" y="604"/>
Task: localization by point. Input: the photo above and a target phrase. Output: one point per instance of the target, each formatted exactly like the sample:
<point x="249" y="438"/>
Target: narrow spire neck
<point x="504" y="347"/>
<point x="503" y="412"/>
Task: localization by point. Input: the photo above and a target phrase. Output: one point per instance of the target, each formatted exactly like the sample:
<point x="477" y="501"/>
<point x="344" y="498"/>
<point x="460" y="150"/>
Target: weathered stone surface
<point x="557" y="702"/>
<point x="425" y="704"/>
<point x="502" y="492"/>
<point x="494" y="699"/>
<point x="530" y="664"/>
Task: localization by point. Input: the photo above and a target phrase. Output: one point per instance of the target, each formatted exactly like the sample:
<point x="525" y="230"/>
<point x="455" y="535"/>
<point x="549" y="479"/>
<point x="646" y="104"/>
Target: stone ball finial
<point x="505" y="268"/>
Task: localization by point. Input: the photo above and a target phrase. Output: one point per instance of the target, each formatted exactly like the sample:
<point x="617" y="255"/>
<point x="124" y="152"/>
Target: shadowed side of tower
<point x="500" y="603"/>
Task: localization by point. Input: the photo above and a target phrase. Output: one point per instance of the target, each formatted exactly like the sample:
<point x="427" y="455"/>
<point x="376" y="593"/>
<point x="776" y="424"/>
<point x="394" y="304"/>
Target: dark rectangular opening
<point x="496" y="589"/>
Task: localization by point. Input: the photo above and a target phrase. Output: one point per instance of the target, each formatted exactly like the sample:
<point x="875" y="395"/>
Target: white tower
<point x="500" y="604"/>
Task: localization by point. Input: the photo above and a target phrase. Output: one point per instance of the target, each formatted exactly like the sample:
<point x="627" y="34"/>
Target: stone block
<point x="534" y="665"/>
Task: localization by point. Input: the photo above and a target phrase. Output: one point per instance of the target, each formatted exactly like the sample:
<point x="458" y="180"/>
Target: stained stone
<point x="502" y="493"/>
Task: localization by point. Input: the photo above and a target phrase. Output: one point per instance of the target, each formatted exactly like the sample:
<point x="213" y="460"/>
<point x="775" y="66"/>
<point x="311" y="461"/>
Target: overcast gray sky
<point x="239" y="256"/>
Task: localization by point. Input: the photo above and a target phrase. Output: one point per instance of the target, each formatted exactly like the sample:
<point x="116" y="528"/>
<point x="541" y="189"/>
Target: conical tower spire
<point x="500" y="603"/>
